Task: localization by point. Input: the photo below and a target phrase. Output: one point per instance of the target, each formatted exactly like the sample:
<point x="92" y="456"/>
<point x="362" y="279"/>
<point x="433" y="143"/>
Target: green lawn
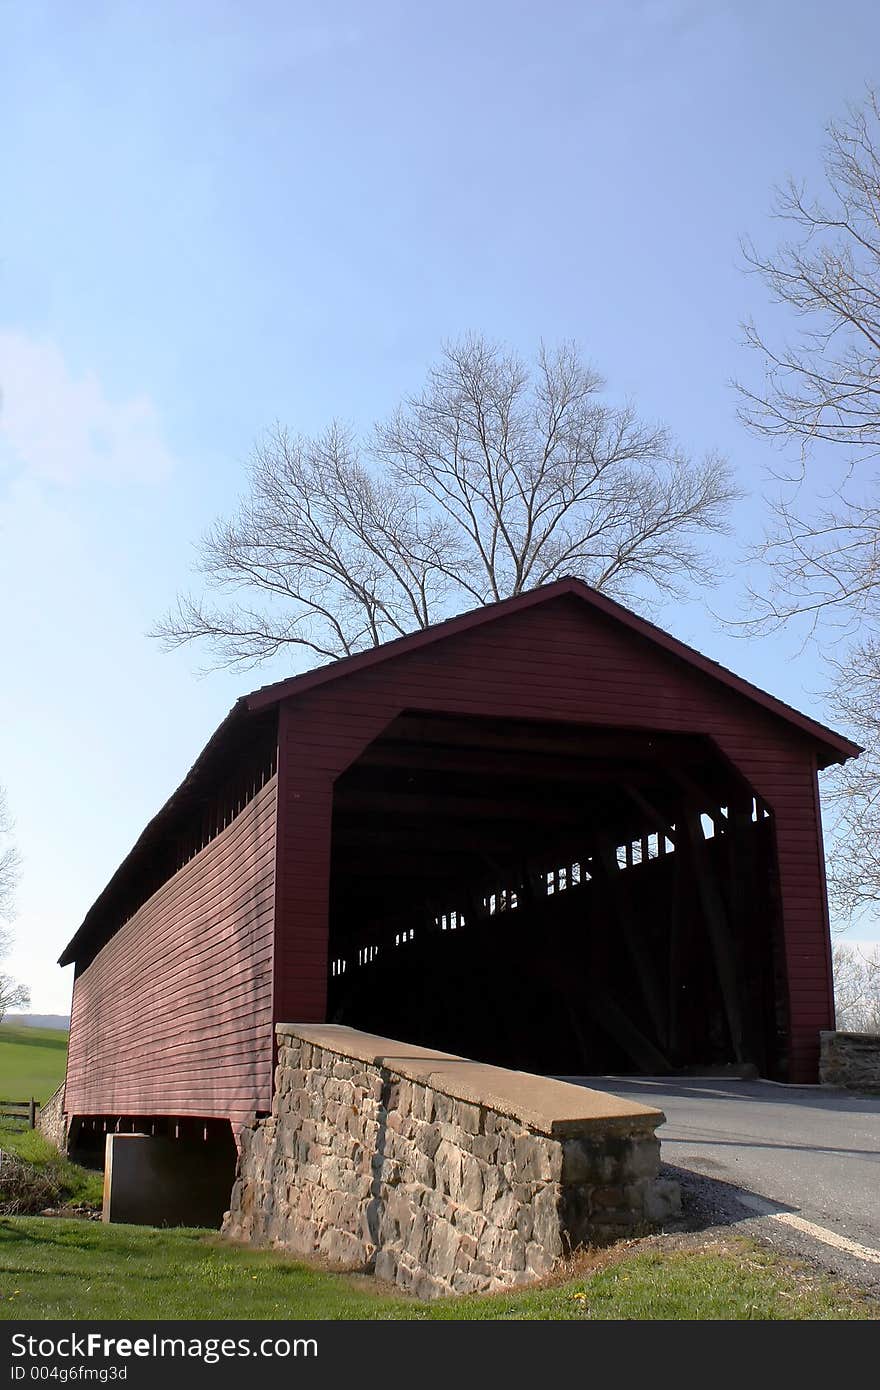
<point x="32" y="1061"/>
<point x="68" y="1183"/>
<point x="69" y="1269"/>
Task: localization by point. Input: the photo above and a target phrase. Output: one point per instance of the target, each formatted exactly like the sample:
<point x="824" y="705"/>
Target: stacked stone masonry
<point x="851" y="1060"/>
<point x="377" y="1169"/>
<point x="52" y="1121"/>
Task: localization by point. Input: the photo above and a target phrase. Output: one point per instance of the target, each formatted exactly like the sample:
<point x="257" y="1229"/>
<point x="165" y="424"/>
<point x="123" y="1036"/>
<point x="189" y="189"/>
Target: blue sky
<point x="215" y="215"/>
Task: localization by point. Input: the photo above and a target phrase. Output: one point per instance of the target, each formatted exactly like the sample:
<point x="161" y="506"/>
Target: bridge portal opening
<point x="557" y="898"/>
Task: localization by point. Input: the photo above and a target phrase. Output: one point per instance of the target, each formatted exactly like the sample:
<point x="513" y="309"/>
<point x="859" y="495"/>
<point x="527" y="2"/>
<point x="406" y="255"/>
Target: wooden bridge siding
<point x="556" y="662"/>
<point x="174" y="1014"/>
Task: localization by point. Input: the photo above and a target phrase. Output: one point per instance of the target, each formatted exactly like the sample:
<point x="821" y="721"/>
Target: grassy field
<point x="71" y="1269"/>
<point x="32" y="1061"/>
<point x="59" y="1183"/>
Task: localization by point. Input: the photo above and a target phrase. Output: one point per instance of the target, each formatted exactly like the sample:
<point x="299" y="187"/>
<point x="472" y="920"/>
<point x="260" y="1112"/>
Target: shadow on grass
<point x="42" y="1231"/>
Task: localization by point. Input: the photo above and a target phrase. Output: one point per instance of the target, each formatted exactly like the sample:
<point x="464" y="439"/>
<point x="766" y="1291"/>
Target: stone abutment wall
<point x="436" y="1172"/>
<point x="52" y="1121"/>
<point x="851" y="1060"/>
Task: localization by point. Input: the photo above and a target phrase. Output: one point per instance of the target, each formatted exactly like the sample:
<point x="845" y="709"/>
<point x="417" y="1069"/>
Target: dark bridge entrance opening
<point x="556" y="898"/>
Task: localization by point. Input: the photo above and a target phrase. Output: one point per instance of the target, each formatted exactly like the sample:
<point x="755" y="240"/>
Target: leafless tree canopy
<point x="821" y="390"/>
<point x="857" y="988"/>
<point x="854" y="790"/>
<point x="495" y="478"/>
<point x="9" y="861"/>
<point x="824" y="385"/>
<point x="12" y="995"/>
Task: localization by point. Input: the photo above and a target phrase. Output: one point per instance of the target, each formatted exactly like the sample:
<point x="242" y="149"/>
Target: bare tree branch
<point x="10" y="865"/>
<point x="825" y="385"/>
<point x="822" y="557"/>
<point x="496" y="477"/>
<point x="12" y="994"/>
<point x="857" y="988"/>
<point x="853" y="791"/>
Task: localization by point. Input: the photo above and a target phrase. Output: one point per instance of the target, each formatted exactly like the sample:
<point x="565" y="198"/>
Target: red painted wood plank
<point x="173" y="1016"/>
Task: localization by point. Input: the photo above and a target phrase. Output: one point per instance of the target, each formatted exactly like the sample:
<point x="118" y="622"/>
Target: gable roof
<point x="832" y="747"/>
<point x="839" y="747"/>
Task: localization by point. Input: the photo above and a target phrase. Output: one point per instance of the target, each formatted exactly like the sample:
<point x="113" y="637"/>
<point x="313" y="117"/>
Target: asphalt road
<point x="779" y="1160"/>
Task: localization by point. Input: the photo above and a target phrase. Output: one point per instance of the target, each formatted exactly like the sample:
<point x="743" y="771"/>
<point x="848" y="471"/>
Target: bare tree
<point x="12" y="995"/>
<point x="857" y="988"/>
<point x="824" y="387"/>
<point x="821" y="390"/>
<point x="9" y="861"/>
<point x="494" y="479"/>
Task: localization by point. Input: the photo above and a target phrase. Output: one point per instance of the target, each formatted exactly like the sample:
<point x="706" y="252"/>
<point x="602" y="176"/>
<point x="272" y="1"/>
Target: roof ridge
<point x="568" y="584"/>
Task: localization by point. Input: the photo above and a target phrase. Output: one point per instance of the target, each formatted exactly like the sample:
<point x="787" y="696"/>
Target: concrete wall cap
<point x="554" y="1108"/>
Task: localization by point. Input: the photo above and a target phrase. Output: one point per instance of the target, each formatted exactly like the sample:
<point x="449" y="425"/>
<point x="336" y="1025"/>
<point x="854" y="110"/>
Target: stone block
<point x="473" y="1223"/>
<point x="441" y="1107"/>
<point x="467" y="1116"/>
<point x="427" y="1138"/>
<point x="605" y="1197"/>
<point x="484" y="1146"/>
<point x="525" y="1221"/>
<point x="471" y="1192"/>
<point x="537" y="1158"/>
<point x="465" y="1281"/>
<point x="386" y="1265"/>
<point x="538" y="1261"/>
<point x="659" y="1199"/>
<point x="447" y="1169"/>
<point x="642" y="1158"/>
<point x="422" y="1101"/>
<point x="443" y="1246"/>
<point x="546" y="1225"/>
<point x="494" y="1183"/>
<point x="589" y="1161"/>
<point x="343" y="1248"/>
<point x="503" y="1211"/>
<point x="422" y="1168"/>
<point x="512" y="1251"/>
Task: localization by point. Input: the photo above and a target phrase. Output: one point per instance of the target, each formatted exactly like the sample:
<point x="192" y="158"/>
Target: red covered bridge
<point x="544" y="833"/>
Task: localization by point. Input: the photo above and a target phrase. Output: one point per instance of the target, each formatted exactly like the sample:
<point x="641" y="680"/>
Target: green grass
<point x="70" y="1269"/>
<point x="76" y="1186"/>
<point x="32" y="1061"/>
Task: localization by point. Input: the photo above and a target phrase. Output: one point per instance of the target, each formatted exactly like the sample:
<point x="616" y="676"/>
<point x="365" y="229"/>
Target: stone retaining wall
<point x="52" y="1121"/>
<point x="851" y="1060"/>
<point x="439" y="1173"/>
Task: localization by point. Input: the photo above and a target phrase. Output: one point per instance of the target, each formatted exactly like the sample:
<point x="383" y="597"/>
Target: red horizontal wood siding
<point x="561" y="661"/>
<point x="174" y="1014"/>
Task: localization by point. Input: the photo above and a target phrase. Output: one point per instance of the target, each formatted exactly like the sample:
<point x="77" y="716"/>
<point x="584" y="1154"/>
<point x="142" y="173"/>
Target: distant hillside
<point x="40" y="1021"/>
<point x="32" y="1061"/>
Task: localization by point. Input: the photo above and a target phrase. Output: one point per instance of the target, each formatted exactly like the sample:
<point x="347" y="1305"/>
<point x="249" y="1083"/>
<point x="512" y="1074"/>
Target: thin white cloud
<point x="62" y="427"/>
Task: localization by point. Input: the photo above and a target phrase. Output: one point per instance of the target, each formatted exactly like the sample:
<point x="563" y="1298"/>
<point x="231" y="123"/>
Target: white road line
<point x="788" y="1218"/>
